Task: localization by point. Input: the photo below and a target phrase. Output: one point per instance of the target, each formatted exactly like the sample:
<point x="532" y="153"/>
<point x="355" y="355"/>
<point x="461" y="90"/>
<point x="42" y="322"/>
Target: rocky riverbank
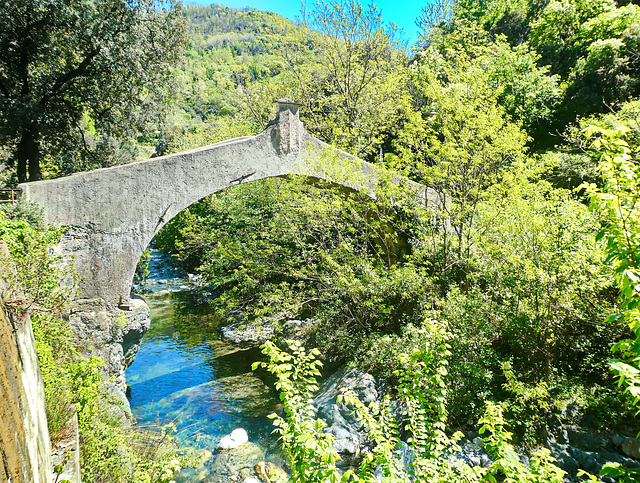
<point x="236" y="460"/>
<point x="114" y="335"/>
<point x="259" y="333"/>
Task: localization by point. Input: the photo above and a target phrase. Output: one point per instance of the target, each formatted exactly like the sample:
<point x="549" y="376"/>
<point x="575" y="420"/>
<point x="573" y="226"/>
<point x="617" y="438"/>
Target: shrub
<point x="422" y="395"/>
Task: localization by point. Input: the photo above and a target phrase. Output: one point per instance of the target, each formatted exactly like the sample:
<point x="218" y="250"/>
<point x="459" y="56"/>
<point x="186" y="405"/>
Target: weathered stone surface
<point x="259" y="332"/>
<point x="204" y="455"/>
<point x="618" y="440"/>
<point x="243" y="333"/>
<point x="67" y="452"/>
<point x="341" y="422"/>
<point x="25" y="450"/>
<point x="631" y="447"/>
<point x="571" y="458"/>
<point x="113" y="213"/>
<point x="585" y="440"/>
<point x="237" y="464"/>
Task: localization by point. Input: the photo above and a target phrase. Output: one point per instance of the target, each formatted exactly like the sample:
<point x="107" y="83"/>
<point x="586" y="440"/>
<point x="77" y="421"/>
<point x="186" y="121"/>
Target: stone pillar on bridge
<point x="290" y="131"/>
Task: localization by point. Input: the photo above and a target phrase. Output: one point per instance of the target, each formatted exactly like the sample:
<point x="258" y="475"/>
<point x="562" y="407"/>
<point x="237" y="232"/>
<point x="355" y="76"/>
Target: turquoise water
<point x="186" y="373"/>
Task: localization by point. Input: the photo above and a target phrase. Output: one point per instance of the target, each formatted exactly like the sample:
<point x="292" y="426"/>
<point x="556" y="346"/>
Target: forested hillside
<point x="507" y="299"/>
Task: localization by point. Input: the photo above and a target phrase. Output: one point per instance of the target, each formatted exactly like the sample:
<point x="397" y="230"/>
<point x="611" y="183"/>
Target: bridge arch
<point x="114" y="213"/>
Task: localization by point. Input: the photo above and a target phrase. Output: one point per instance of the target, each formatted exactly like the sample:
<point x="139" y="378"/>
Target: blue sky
<point x="403" y="13"/>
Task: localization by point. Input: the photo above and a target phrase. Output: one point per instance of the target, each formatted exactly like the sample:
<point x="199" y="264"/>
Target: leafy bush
<point x="24" y="210"/>
<point x="55" y="347"/>
<point x="422" y="396"/>
<point x="32" y="271"/>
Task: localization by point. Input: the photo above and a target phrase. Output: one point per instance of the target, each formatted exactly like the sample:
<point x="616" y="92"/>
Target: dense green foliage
<point x="273" y="253"/>
<point x="519" y="276"/>
<point x="75" y="73"/>
<point x="617" y="204"/>
<point x="422" y="398"/>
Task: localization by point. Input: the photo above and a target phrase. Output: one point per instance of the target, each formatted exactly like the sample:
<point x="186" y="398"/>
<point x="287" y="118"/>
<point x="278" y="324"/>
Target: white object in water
<point x="237" y="437"/>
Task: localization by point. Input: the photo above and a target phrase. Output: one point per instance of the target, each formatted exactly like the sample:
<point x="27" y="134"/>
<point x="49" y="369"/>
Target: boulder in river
<point x="270" y="473"/>
<point x="258" y="332"/>
<point x="341" y="422"/>
<point x="631" y="448"/>
<point x="238" y="437"/>
<point x="237" y="464"/>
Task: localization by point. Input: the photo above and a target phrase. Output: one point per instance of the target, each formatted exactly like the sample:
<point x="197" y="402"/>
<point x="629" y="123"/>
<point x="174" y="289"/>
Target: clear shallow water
<point x="184" y="372"/>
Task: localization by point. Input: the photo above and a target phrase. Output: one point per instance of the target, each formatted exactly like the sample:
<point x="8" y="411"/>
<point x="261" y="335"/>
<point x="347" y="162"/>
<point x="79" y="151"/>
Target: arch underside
<point x="114" y="213"/>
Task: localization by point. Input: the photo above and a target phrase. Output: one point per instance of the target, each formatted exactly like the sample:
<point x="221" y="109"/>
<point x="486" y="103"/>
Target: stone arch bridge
<point x="113" y="213"/>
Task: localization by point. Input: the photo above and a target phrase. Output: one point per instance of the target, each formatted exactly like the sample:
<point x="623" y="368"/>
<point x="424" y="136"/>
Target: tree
<point x="460" y="139"/>
<point x="508" y="17"/>
<point x="594" y="46"/>
<point x="71" y="66"/>
<point x="608" y="70"/>
<point x="288" y="248"/>
<point x="537" y="256"/>
<point x="554" y="31"/>
<point x="349" y="71"/>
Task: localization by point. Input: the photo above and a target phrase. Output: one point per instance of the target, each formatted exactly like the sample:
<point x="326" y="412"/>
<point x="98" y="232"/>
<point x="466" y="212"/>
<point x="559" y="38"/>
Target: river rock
<point x="341" y="422"/>
<point x="237" y="464"/>
<point x="618" y="440"/>
<point x="194" y="278"/>
<point x="571" y="459"/>
<point x="250" y="479"/>
<point x="204" y="455"/>
<point x="238" y="437"/>
<point x="585" y="440"/>
<point x="631" y="447"/>
<point x="259" y="332"/>
<point x="247" y="333"/>
<point x="270" y="473"/>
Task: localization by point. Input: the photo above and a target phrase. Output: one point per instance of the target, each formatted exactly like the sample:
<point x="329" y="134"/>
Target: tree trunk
<point x="28" y="154"/>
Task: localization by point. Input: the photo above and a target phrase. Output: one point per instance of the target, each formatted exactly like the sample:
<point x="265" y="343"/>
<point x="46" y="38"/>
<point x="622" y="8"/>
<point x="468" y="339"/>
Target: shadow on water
<point x="185" y="372"/>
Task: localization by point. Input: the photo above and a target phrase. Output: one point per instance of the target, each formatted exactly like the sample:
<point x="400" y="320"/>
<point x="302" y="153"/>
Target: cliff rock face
<point x="24" y="435"/>
<point x="114" y="335"/>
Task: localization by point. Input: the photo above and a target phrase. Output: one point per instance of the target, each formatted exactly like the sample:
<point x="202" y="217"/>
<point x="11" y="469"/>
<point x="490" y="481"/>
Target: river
<point x="186" y="373"/>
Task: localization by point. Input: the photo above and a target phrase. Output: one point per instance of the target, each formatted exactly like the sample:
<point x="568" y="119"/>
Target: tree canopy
<point x="72" y="68"/>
